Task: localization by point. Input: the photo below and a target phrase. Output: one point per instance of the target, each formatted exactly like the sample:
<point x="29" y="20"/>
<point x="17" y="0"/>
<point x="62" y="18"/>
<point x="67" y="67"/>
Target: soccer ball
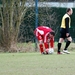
<point x="51" y="51"/>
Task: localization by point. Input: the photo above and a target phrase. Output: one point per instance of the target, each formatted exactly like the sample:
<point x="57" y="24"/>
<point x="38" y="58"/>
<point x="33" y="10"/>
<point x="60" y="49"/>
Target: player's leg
<point x="40" y="40"/>
<point x="69" y="40"/>
<point x="62" y="37"/>
<point x="59" y="45"/>
<point x="41" y="46"/>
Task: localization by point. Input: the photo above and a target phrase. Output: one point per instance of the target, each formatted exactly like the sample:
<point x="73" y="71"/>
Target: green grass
<point x="37" y="64"/>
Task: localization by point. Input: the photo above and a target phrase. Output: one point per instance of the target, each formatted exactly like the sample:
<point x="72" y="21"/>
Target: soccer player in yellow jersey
<point x="64" y="32"/>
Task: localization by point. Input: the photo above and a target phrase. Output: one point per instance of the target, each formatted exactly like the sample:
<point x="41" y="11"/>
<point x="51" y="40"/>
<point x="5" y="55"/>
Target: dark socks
<point x="59" y="46"/>
<point x="67" y="44"/>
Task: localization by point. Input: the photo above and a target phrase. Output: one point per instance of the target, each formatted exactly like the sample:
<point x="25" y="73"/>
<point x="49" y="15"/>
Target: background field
<point x="37" y="64"/>
<point x="30" y="47"/>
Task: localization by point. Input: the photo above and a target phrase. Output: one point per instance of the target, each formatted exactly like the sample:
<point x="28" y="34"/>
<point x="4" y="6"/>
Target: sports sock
<point x="59" y="46"/>
<point x="41" y="48"/>
<point x="67" y="44"/>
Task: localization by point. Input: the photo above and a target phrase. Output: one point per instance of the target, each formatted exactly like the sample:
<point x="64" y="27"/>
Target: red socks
<point x="41" y="48"/>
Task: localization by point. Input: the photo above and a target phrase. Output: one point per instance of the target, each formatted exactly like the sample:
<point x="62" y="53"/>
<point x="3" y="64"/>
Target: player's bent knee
<point x="69" y="39"/>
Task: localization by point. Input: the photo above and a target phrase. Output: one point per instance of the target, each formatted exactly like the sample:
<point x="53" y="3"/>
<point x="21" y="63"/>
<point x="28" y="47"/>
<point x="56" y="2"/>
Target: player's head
<point x="69" y="11"/>
<point x="52" y="34"/>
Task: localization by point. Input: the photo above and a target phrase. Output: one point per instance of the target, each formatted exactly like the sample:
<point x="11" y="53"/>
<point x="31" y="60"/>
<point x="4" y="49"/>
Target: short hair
<point x="52" y="33"/>
<point x="68" y="9"/>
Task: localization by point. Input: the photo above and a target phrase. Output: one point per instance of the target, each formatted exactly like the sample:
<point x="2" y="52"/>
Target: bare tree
<point x="12" y="13"/>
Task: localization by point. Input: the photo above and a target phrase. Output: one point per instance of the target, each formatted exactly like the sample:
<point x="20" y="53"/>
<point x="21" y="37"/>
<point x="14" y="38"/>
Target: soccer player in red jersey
<point x="45" y="37"/>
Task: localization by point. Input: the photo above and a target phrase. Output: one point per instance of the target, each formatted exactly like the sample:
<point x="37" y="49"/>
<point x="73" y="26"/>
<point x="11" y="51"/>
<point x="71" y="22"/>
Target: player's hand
<point x="48" y="41"/>
<point x="67" y="34"/>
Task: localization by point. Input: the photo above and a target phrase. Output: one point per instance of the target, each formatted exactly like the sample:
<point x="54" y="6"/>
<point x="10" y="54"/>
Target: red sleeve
<point x="52" y="42"/>
<point x="46" y="45"/>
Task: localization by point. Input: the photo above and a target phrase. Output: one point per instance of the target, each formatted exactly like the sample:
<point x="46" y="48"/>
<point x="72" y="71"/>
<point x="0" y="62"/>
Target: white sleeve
<point x="40" y="31"/>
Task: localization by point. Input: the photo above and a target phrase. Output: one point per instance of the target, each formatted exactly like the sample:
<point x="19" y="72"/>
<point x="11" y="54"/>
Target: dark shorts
<point x="63" y="33"/>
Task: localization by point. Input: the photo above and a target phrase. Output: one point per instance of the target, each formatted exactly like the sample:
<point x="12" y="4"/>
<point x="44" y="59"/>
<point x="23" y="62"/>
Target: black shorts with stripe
<point x="63" y="33"/>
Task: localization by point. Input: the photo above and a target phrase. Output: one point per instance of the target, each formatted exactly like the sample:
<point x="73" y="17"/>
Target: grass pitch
<point x="37" y="64"/>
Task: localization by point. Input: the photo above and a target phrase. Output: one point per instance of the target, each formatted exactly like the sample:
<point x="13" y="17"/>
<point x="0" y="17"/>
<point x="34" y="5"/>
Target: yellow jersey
<point x="63" y="21"/>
